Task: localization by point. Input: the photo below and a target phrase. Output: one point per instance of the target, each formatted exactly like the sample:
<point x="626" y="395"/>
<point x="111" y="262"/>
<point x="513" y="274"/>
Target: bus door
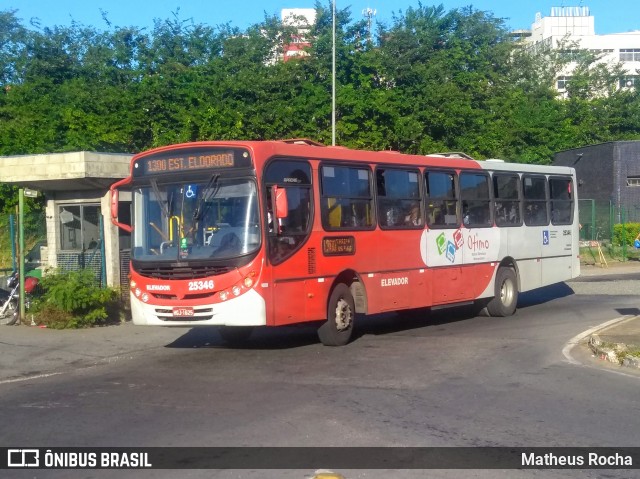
<point x="288" y="204"/>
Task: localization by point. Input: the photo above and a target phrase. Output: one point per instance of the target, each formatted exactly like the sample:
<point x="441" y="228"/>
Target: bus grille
<point x="190" y="272"/>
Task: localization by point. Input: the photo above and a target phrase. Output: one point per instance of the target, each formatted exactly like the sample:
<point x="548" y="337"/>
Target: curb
<point x="613" y="352"/>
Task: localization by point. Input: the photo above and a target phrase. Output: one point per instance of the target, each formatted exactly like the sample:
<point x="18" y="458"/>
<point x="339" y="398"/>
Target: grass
<point x="621" y="350"/>
<point x="611" y="254"/>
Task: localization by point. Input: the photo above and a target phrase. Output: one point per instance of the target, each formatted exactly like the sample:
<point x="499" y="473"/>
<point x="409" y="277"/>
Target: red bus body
<point x="336" y="231"/>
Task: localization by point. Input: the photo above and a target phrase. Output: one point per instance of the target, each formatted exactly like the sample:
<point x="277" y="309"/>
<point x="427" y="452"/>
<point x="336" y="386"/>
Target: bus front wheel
<point x="340" y="315"/>
<point x="506" y="294"/>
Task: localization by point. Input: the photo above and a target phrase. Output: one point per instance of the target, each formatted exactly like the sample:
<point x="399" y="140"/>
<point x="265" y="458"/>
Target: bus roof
<point x="305" y="148"/>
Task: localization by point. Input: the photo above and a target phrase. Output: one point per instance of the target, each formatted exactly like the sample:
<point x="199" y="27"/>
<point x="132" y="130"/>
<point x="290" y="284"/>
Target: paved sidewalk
<point x="612" y="268"/>
<point x="27" y="351"/>
<point x="614" y="342"/>
<point x="618" y="343"/>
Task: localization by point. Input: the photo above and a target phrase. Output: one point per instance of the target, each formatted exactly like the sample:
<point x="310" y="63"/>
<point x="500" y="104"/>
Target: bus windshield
<point x="214" y="219"/>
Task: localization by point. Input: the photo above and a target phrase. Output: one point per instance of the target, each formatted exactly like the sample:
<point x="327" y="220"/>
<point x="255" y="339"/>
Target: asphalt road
<point x="445" y="379"/>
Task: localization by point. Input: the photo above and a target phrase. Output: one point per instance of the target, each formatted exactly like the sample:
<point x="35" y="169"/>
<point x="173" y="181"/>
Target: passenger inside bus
<point x="413" y="218"/>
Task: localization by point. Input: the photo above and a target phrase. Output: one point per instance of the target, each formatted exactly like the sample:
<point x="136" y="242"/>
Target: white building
<point x="302" y="19"/>
<point x="576" y="24"/>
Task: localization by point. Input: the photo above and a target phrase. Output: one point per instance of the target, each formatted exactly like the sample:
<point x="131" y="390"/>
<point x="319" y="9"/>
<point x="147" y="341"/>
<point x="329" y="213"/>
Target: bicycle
<point x="10" y="300"/>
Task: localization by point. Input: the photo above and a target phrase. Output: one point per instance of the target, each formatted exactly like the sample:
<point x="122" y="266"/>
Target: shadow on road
<point x="287" y="337"/>
<point x="544" y="295"/>
<point x="284" y="337"/>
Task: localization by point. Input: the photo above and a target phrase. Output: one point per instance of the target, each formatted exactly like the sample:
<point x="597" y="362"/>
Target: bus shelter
<point x="79" y="232"/>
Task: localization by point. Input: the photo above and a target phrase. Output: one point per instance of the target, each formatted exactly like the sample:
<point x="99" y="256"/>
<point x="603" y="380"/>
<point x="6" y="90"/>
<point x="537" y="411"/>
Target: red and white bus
<point x="267" y="233"/>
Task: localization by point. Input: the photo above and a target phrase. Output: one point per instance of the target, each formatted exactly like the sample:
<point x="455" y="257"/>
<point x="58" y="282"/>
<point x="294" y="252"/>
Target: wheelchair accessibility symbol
<point x="190" y="192"/>
<point x="545" y="237"/>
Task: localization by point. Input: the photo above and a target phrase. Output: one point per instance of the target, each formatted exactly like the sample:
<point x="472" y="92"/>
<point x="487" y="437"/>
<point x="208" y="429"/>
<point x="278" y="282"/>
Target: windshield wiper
<point x="164" y="205"/>
<point x="203" y="205"/>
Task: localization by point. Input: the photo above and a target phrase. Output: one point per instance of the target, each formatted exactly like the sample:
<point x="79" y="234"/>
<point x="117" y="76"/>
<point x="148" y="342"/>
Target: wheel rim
<point x="507" y="293"/>
<point x="9" y="312"/>
<point x="344" y="315"/>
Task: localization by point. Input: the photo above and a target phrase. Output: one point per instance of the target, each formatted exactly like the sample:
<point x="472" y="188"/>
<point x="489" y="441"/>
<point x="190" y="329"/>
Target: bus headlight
<point x="236" y="290"/>
<point x="224" y="295"/>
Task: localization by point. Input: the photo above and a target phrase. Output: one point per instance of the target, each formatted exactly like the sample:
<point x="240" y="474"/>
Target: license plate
<point x="182" y="312"/>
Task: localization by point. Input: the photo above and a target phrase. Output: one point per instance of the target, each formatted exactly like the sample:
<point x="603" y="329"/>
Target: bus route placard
<point x="191" y="160"/>
<point x="338" y="245"/>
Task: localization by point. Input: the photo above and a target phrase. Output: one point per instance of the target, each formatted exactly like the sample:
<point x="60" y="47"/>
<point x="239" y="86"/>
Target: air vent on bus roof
<point x="494" y="160"/>
<point x="452" y="154"/>
<point x="302" y="141"/>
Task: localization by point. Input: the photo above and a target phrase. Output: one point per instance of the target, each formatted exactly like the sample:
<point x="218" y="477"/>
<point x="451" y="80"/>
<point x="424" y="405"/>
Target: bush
<point x="626" y="232"/>
<point x="74" y="299"/>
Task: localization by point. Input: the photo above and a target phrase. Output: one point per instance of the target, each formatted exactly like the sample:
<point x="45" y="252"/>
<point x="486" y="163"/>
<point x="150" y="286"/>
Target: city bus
<point x="241" y="234"/>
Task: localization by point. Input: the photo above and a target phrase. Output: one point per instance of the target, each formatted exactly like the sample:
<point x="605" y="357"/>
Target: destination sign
<point x="338" y="245"/>
<point x="191" y="160"/>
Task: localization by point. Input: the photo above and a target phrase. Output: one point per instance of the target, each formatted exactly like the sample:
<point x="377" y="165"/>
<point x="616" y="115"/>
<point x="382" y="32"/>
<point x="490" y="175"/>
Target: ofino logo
<point x="23" y="458"/>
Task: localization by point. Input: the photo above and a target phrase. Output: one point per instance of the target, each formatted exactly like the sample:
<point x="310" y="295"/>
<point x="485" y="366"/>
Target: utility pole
<point x="333" y="80"/>
<point x="369" y="13"/>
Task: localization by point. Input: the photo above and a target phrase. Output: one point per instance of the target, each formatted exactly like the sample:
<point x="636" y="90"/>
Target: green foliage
<point x="73" y="299"/>
<point x="432" y="80"/>
<point x="625" y="233"/>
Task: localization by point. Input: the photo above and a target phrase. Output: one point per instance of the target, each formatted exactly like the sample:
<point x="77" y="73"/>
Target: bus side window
<point x="506" y="193"/>
<point x="442" y="209"/>
<point x="399" y="201"/>
<point x="535" y="200"/>
<point x="346" y="199"/>
<point x="476" y="201"/>
<point x="561" y="193"/>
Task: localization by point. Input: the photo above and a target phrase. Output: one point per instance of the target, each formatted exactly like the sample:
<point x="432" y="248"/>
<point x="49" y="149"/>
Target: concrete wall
<point x="627" y="156"/>
<point x="63" y="166"/>
<point x="73" y="178"/>
<point x="594" y="170"/>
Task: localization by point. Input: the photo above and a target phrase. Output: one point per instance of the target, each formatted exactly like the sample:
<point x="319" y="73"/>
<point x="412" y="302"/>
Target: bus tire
<point x="235" y="334"/>
<point x="506" y="294"/>
<point x="337" y="330"/>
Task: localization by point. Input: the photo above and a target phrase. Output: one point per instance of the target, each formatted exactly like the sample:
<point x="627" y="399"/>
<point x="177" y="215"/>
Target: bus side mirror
<point x="114" y="210"/>
<point x="282" y="205"/>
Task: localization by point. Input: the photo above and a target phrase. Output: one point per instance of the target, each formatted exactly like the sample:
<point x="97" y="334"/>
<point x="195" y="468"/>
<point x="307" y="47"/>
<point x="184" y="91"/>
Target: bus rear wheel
<point x="340" y="316"/>
<point x="235" y="334"/>
<point x="506" y="294"/>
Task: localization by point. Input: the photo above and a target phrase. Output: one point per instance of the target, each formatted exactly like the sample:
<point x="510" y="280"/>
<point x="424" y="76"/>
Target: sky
<point x="610" y="16"/>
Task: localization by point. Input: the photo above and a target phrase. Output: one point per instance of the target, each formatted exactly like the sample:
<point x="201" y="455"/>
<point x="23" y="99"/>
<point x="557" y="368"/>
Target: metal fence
<point x="610" y="227"/>
<point x="35" y="236"/>
<point x="598" y="219"/>
<point x="35" y="241"/>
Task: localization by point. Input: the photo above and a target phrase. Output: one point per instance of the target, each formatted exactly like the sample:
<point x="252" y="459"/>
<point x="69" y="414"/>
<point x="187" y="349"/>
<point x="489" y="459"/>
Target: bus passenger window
<point x="560" y="191"/>
<point x="535" y="200"/>
<point x="346" y="198"/>
<point x="506" y="193"/>
<point x="442" y="209"/>
<point x="476" y="202"/>
<point x="399" y="202"/>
